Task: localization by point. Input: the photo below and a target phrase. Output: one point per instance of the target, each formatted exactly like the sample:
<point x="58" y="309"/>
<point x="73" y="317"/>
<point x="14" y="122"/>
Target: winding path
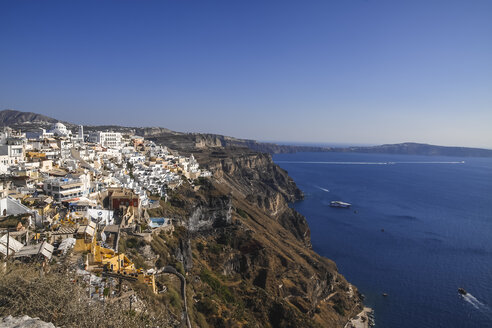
<point x="172" y="270"/>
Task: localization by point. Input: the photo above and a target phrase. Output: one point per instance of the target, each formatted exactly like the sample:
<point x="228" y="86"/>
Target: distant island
<point x="28" y="121"/>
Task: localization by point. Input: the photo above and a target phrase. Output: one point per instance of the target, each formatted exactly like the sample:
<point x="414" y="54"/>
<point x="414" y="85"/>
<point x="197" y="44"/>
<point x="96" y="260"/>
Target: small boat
<point x="385" y="295"/>
<point x="462" y="291"/>
<point x="337" y="203"/>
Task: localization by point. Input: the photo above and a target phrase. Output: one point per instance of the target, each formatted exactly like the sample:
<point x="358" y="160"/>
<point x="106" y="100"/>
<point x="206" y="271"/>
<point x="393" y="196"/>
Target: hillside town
<point x="72" y="194"/>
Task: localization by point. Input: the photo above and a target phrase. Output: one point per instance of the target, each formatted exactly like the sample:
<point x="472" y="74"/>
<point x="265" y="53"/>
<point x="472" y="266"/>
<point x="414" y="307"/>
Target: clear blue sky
<point x="353" y="71"/>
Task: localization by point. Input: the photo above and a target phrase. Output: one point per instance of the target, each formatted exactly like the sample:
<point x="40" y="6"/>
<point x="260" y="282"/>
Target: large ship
<point x="337" y="203"/>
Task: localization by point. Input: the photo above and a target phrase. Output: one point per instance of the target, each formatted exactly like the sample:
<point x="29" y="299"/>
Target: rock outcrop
<point x="24" y="322"/>
<point x="251" y="252"/>
<point x="207" y="215"/>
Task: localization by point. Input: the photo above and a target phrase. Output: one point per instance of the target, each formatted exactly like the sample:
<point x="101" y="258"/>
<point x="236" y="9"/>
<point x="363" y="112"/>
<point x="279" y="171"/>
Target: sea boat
<point x="337" y="203"/>
<point x="462" y="291"/>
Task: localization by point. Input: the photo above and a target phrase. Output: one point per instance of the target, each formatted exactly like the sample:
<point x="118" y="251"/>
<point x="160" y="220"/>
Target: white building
<point x="13" y="245"/>
<point x="106" y="139"/>
<point x="10" y="206"/>
<point x="80" y="135"/>
<point x="14" y="150"/>
<point x="62" y="189"/>
<point x="100" y="216"/>
<point x="5" y="162"/>
<point x="60" y="130"/>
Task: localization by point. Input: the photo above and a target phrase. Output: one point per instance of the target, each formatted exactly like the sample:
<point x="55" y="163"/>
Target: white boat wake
<point x="321" y="188"/>
<point x="366" y="163"/>
<point x="335" y="163"/>
<point x="469" y="298"/>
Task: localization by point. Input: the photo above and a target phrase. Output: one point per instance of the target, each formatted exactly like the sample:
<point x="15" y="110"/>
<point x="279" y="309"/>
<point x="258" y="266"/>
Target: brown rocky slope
<point x="248" y="254"/>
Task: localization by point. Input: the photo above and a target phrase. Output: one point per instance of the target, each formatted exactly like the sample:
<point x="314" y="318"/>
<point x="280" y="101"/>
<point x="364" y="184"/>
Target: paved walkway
<point x="172" y="270"/>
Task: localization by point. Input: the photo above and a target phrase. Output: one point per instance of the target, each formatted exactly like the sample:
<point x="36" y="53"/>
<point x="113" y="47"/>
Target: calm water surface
<point x="436" y="213"/>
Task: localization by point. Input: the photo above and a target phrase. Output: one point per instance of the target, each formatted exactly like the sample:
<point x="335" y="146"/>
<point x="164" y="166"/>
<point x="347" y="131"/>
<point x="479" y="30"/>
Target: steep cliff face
<point x="253" y="172"/>
<point x="216" y="212"/>
<point x="255" y="178"/>
<point x="252" y="261"/>
<point x="199" y="141"/>
<point x="215" y="140"/>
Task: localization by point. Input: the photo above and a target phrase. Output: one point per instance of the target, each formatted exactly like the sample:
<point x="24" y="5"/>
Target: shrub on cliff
<point x="242" y="213"/>
<point x="55" y="297"/>
<point x="221" y="290"/>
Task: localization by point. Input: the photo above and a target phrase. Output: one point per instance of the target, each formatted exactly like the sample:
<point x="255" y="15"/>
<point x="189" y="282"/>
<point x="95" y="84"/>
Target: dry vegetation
<point x="56" y="297"/>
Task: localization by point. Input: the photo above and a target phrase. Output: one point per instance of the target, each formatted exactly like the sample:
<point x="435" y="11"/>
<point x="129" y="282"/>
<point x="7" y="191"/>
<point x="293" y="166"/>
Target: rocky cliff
<point x="252" y="262"/>
<point x="255" y="179"/>
<point x="204" y="141"/>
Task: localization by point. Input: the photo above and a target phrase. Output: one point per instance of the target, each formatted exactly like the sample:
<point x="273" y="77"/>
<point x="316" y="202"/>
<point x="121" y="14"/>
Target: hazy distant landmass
<point x="28" y="121"/>
<point x="407" y="148"/>
<point x="11" y="117"/>
<point x="412" y="148"/>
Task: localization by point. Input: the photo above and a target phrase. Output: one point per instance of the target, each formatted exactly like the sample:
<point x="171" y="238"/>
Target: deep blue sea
<point x="436" y="213"/>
